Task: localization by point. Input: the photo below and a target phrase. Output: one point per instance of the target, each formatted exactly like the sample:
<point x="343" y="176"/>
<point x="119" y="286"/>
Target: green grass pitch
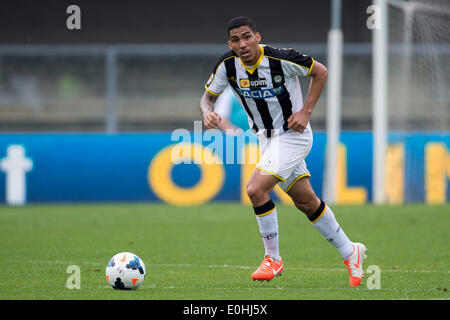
<point x="209" y="252"/>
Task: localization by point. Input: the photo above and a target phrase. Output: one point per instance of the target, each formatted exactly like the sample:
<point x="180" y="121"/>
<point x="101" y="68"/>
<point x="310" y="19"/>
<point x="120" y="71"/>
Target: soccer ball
<point x="125" y="271"/>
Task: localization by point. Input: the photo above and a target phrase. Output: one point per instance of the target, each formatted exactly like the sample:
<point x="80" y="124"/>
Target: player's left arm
<point x="299" y="120"/>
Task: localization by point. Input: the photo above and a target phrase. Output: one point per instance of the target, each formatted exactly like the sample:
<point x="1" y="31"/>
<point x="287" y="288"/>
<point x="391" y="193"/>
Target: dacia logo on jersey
<point x="261" y="94"/>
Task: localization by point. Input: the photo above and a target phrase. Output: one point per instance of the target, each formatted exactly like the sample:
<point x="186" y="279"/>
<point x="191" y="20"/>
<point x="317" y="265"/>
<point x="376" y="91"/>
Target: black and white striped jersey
<point x="269" y="91"/>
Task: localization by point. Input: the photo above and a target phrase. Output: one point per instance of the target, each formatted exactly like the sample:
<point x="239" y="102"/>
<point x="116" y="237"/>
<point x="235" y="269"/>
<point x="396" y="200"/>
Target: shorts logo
<point x="244" y="83"/>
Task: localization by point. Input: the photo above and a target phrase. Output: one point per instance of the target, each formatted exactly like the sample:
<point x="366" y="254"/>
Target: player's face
<point x="245" y="43"/>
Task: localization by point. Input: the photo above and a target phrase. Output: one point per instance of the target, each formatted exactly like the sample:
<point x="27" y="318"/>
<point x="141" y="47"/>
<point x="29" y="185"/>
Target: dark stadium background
<point x="177" y="21"/>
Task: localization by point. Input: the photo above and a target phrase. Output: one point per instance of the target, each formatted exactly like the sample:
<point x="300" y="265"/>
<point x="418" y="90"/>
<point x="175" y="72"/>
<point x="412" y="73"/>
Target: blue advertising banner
<point x="40" y="168"/>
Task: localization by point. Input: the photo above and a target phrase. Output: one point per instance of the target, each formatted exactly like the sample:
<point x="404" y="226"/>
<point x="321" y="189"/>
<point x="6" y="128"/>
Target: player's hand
<point x="212" y="120"/>
<point x="298" y="121"/>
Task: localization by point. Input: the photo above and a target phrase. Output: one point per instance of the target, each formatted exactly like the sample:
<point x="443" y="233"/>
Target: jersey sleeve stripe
<point x="214" y="75"/>
<point x="310" y="68"/>
<point x="213" y="93"/>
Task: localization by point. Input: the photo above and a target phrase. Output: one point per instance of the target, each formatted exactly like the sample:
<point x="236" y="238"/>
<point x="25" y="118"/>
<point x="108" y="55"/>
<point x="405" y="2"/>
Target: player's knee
<point x="252" y="191"/>
<point x="255" y="193"/>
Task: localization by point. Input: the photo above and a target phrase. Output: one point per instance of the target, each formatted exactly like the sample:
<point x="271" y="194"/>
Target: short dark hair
<point x="240" y="21"/>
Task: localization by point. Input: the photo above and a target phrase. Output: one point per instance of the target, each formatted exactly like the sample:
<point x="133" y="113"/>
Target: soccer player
<point x="265" y="80"/>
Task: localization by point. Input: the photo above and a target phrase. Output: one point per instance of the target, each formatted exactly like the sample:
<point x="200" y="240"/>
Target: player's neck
<point x="255" y="61"/>
<point x="251" y="64"/>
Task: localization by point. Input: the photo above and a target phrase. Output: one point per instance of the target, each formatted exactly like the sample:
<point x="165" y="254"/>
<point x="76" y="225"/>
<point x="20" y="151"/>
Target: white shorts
<point x="284" y="156"/>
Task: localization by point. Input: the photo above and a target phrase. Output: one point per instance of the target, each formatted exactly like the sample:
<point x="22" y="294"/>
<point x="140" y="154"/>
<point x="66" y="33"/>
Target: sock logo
<point x="269" y="236"/>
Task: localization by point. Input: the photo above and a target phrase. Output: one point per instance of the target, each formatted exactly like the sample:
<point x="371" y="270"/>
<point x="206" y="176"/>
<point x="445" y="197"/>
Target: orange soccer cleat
<point x="355" y="264"/>
<point x="268" y="269"/>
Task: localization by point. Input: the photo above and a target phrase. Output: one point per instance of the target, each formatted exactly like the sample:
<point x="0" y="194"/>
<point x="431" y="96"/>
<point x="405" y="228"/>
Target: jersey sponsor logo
<point x="244" y="83"/>
<point x="260" y="94"/>
<point x="253" y="84"/>
<point x="258" y="83"/>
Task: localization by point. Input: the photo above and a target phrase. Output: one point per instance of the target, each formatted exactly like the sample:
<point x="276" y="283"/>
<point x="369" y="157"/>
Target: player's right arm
<point x="210" y="118"/>
<point x="215" y="85"/>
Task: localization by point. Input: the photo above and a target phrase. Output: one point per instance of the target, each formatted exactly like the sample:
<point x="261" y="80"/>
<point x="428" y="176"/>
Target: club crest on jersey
<point x="278" y="79"/>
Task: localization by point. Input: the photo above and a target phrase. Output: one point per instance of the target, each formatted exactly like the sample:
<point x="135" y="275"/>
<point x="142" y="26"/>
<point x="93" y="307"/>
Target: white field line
<point x="252" y="288"/>
<point x="214" y="266"/>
